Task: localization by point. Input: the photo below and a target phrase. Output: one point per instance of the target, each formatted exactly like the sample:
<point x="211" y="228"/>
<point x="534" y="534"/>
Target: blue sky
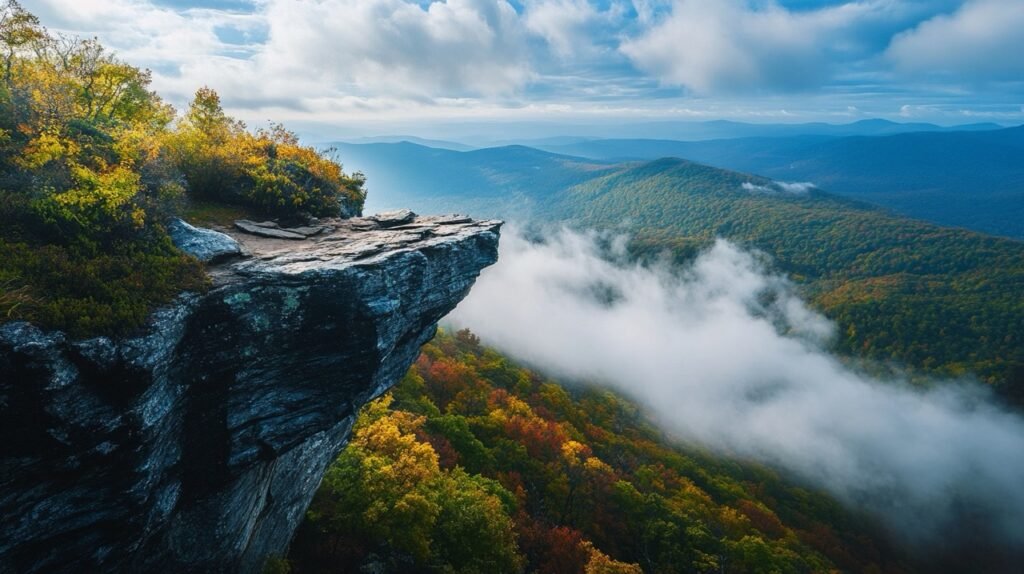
<point x="384" y="64"/>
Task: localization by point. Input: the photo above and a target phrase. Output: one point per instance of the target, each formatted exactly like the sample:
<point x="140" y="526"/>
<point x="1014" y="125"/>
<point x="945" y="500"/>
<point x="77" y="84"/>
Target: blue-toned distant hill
<point x="972" y="179"/>
<point x="439" y="144"/>
<point x="481" y="134"/>
<point x="725" y="129"/>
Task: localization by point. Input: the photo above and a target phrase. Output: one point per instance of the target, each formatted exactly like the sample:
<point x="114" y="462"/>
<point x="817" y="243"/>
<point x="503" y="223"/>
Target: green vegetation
<point x="944" y="300"/>
<point x="268" y="172"/>
<point x="92" y="163"/>
<point x="477" y="465"/>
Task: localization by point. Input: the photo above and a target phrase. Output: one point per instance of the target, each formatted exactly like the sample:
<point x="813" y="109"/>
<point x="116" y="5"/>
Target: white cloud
<point x="562" y="23"/>
<point x="341" y="61"/>
<point x="723" y="364"/>
<point x="571" y="28"/>
<point x="982" y="40"/>
<point x="795" y="188"/>
<point x="447" y="48"/>
<point x="647" y="10"/>
<point x="308" y="50"/>
<point x="713" y="46"/>
<point x="181" y="47"/>
<point x="139" y="31"/>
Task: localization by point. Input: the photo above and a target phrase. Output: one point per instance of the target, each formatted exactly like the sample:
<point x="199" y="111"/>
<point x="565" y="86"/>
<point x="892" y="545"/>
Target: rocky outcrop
<point x="273" y="230"/>
<point x="205" y="245"/>
<point x="197" y="445"/>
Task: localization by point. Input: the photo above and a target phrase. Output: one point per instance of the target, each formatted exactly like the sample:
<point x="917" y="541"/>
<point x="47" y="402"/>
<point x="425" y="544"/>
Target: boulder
<point x="394" y="218"/>
<point x="205" y="245"/>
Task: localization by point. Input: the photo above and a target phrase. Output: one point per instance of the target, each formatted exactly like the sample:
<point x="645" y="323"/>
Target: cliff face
<point x="198" y="445"/>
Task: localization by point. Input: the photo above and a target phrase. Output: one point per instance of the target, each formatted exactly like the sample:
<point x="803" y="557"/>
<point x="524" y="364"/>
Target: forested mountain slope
<point x="476" y="464"/>
<point x="936" y="298"/>
<point x="972" y="179"/>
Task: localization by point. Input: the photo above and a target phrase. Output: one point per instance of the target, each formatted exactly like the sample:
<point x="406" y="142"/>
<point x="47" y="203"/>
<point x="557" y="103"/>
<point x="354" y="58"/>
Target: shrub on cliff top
<point x="92" y="162"/>
<point x="268" y="171"/>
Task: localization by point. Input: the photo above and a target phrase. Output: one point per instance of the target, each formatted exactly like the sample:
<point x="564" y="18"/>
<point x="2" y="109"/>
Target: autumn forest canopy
<point x="476" y="464"/>
<point x="92" y="165"/>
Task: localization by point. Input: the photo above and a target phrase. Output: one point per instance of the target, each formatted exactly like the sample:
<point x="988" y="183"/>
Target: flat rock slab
<point x="264" y="230"/>
<point x="394" y="218"/>
<point x="308" y="231"/>
<point x="453" y="219"/>
<point x="343" y="242"/>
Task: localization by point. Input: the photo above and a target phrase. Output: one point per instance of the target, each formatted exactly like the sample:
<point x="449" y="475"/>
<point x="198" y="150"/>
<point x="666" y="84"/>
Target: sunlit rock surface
<point x="197" y="445"/>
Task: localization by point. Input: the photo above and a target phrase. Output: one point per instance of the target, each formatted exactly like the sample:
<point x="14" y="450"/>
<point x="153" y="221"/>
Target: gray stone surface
<point x="267" y="229"/>
<point x="205" y="244"/>
<point x="275" y="231"/>
<point x="197" y="445"/>
<point x="393" y="218"/>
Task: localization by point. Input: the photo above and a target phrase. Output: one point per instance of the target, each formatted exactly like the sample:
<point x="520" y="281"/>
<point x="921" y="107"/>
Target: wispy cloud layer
<point x="337" y="60"/>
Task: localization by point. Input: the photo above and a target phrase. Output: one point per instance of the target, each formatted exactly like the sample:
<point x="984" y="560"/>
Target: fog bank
<point x="726" y="354"/>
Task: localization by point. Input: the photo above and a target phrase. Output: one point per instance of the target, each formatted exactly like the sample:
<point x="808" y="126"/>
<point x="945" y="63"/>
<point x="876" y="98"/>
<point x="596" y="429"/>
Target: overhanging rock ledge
<point x="197" y="445"/>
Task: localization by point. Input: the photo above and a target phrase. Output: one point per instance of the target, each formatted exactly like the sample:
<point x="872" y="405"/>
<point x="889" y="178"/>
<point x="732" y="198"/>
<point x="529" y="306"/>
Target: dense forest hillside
<point x="475" y="464"/>
<point x="972" y="179"/>
<point x="940" y="299"/>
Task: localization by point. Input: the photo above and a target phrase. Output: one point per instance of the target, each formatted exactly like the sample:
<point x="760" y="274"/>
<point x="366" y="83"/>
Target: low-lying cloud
<point x="794" y="188"/>
<point x="726" y="354"/>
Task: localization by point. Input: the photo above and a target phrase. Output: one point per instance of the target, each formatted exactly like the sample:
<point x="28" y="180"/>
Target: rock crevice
<point x="197" y="445"/>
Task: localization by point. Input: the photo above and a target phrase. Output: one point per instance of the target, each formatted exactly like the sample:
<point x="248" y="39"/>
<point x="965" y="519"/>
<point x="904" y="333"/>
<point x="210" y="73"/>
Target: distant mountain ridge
<point x="506" y="180"/>
<point x="726" y="129"/>
<point x="439" y="144"/>
<point x="481" y="134"/>
<point x="972" y="179"/>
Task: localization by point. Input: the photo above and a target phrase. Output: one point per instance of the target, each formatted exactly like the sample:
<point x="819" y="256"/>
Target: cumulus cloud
<point x="344" y="61"/>
<point x="562" y="23"/>
<point x="182" y="47"/>
<point x="140" y="31"/>
<point x="573" y="28"/>
<point x="443" y="48"/>
<point x="647" y="10"/>
<point x="289" y="53"/>
<point x="982" y="40"/>
<point x="726" y="354"/>
<point x="713" y="46"/>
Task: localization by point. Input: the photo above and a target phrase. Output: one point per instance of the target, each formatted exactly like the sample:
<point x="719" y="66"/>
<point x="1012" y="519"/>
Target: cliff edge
<point x="197" y="445"/>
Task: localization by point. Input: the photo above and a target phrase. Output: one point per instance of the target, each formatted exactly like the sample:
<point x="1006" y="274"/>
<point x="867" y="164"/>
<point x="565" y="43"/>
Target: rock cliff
<point x="197" y="445"/>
